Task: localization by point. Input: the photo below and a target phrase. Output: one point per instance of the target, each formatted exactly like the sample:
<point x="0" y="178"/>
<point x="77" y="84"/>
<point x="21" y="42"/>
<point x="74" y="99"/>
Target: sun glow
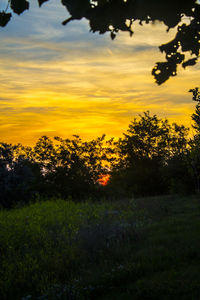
<point x="59" y="82"/>
<point x="104" y="179"/>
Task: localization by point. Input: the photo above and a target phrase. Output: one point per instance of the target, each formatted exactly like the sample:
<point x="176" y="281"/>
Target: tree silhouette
<point x="196" y="114"/>
<point x="119" y="15"/>
<point x="145" y="151"/>
<point x="195" y="143"/>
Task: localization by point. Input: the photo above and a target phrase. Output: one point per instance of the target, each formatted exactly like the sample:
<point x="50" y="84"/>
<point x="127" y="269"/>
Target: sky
<point x="63" y="80"/>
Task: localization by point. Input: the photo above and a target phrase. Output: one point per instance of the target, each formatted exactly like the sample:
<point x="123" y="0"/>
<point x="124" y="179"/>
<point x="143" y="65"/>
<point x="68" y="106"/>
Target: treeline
<point x="153" y="157"/>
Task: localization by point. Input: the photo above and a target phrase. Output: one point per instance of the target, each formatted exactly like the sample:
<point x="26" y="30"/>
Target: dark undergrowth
<point x="133" y="249"/>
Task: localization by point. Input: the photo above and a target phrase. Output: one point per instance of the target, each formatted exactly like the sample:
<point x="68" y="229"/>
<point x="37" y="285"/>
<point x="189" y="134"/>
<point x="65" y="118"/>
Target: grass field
<point x="133" y="249"/>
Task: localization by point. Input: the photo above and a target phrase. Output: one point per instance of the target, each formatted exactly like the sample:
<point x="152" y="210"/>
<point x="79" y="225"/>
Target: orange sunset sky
<point x="60" y="81"/>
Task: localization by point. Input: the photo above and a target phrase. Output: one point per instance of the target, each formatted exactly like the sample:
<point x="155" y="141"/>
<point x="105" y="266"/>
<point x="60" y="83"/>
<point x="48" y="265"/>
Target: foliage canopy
<point x="119" y="15"/>
<point x="153" y="157"/>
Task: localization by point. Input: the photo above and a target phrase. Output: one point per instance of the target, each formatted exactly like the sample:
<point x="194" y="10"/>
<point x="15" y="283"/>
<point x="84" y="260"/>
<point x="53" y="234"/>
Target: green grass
<point x="133" y="249"/>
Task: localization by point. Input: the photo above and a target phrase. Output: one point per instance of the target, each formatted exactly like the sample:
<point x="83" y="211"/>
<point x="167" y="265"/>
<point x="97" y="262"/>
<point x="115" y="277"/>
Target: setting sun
<point x="103" y="179"/>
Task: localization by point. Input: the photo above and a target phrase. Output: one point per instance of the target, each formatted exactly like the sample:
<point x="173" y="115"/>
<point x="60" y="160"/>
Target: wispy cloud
<point x="59" y="80"/>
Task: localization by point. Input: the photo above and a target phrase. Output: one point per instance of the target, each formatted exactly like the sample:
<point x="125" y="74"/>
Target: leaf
<point x="163" y="70"/>
<point x="67" y="21"/>
<point x="41" y="2"/>
<point x="4" y="18"/>
<point x="77" y="8"/>
<point x="112" y="35"/>
<point x="19" y="6"/>
<point x="190" y="62"/>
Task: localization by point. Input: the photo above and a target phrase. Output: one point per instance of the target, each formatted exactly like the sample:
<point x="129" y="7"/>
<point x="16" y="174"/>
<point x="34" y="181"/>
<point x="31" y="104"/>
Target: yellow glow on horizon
<point x="88" y="93"/>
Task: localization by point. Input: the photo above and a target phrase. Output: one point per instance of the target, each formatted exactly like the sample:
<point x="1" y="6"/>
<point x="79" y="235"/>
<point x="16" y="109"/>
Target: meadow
<point x="145" y="248"/>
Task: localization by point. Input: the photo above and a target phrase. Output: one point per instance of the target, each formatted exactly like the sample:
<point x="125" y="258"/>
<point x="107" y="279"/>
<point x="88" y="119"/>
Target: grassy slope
<point x="138" y="249"/>
<point x="167" y="261"/>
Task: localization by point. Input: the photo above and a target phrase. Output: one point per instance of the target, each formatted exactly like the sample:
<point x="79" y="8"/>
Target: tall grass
<point x="64" y="250"/>
<point x="53" y="242"/>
